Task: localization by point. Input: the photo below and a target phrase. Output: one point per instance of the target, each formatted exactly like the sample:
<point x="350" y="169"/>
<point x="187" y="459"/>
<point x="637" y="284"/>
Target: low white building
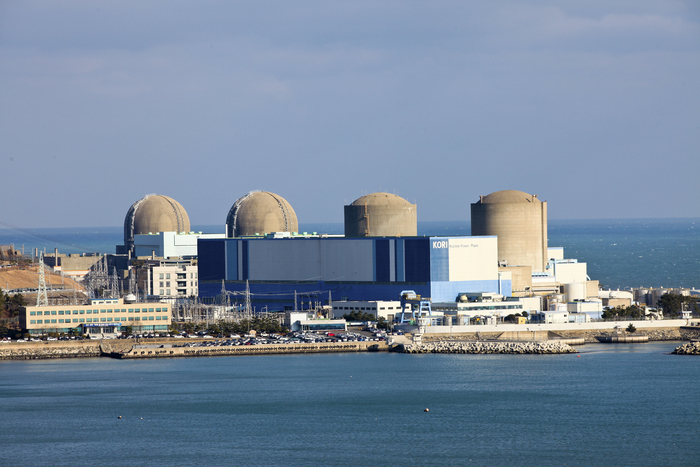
<point x="308" y="321"/>
<point x="550" y="317"/>
<point x="377" y="308"/>
<point x="593" y="308"/>
<point x="488" y="304"/>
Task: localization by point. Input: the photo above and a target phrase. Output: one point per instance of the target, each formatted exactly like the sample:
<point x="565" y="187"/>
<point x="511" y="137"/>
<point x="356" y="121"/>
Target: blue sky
<point x="594" y="106"/>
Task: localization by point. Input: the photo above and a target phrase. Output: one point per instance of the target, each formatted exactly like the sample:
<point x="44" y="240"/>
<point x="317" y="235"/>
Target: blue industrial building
<point x="279" y="271"/>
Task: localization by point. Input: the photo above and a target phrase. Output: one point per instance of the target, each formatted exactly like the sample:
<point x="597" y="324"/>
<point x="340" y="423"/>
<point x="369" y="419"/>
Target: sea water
<point x="612" y="404"/>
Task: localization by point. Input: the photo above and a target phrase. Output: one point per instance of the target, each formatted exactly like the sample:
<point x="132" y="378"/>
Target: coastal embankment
<point x="47" y="350"/>
<point x="159" y="351"/>
<point x="473" y="342"/>
<point x="545" y="347"/>
<point x="159" y="348"/>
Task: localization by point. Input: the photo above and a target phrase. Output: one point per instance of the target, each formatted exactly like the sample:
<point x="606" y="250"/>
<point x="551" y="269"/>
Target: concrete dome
<point x="154" y="213"/>
<point x="380" y="199"/>
<point x="509" y="196"/>
<point x="519" y="220"/>
<point x="260" y="212"/>
<point x="381" y="215"/>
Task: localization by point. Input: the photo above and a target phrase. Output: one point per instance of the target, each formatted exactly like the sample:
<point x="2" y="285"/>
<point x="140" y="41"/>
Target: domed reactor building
<point x="151" y="214"/>
<point x="260" y="212"/>
<point x="381" y="215"/>
<point x="519" y="220"/>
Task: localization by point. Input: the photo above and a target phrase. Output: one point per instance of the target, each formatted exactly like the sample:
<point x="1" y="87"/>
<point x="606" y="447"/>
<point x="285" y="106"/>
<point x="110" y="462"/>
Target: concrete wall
<point x="521" y="278"/>
<point x="567" y="273"/>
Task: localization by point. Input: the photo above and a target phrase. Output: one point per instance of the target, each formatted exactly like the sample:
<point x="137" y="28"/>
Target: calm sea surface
<point x="618" y="404"/>
<point x="619" y="253"/>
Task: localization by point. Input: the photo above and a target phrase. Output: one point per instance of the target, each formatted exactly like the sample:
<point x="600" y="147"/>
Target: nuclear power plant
<point x="263" y="255"/>
<point x="519" y="220"/>
<point x="381" y="215"/>
<point x="260" y="212"/>
<point x="152" y="214"/>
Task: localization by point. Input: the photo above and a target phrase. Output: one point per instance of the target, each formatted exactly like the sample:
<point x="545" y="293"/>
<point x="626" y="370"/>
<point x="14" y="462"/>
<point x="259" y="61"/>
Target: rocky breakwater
<point x="487" y="347"/>
<point x="691" y="348"/>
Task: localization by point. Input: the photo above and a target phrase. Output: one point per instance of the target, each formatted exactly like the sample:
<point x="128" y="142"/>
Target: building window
<point x="82" y="320"/>
<point x="167" y="275"/>
<point x="75" y="320"/>
<point x="160" y="276"/>
<point x="89" y="320"/>
<point x="32" y="313"/>
<point x="167" y="291"/>
<point x="167" y="283"/>
<point x="53" y="312"/>
<point x="32" y="321"/>
<point x="82" y="312"/>
<point x="60" y="320"/>
<point x="161" y="284"/>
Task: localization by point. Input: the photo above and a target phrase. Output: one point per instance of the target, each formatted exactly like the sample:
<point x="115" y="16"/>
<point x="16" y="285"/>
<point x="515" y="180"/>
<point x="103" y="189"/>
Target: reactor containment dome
<point x="519" y="220"/>
<point x="154" y="213"/>
<point x="381" y="215"/>
<point x="260" y="212"/>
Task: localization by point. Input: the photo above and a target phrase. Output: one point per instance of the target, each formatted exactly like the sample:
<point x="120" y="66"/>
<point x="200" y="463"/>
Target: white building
<point x="171" y="279"/>
<point x="169" y="244"/>
<point x="488" y="304"/>
<point x="308" y="321"/>
<point x="377" y="308"/>
<point x="593" y="308"/>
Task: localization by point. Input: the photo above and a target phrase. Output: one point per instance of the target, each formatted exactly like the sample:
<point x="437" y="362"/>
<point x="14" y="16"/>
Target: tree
<point x="631" y="328"/>
<point x="633" y="311"/>
<point x="671" y="303"/>
<point x="358" y="316"/>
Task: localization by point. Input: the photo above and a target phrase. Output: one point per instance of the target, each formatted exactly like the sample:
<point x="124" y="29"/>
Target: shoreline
<point x="164" y="348"/>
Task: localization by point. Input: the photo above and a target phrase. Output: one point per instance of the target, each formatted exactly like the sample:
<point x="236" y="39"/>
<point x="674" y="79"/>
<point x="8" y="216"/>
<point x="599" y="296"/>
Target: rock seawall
<point x="487" y="348"/>
<point x="691" y="348"/>
<point x="41" y="353"/>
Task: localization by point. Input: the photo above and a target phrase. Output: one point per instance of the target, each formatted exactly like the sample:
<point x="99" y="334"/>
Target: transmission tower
<point x="41" y="298"/>
<point x="248" y="312"/>
<point x="132" y="283"/>
<point x="114" y="283"/>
